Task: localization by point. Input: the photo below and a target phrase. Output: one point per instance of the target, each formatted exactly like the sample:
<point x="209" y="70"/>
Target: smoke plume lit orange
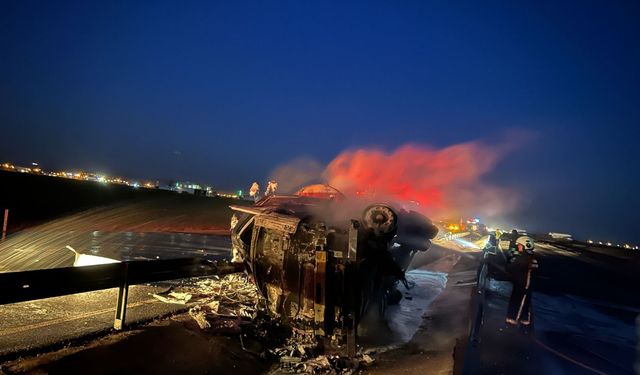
<point x="442" y="183"/>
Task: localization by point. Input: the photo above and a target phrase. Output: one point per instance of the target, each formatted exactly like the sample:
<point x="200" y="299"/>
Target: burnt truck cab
<point x="322" y="264"/>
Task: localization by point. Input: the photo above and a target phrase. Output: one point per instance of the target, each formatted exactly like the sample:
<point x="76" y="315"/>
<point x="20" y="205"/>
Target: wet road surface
<point x="585" y="308"/>
<point x="177" y="345"/>
<point x="40" y="323"/>
<point x="46" y="248"/>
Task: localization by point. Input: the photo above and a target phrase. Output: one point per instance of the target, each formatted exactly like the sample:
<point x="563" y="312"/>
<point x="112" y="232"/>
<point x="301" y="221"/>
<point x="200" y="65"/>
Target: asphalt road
<point x="33" y="325"/>
<point x="41" y="325"/>
<point x="437" y="306"/>
<point x="45" y="247"/>
<point x="585" y="309"/>
<point x="46" y="322"/>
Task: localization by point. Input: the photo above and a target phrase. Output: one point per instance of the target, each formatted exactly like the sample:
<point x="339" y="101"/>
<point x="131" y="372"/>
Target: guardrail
<point x="31" y="285"/>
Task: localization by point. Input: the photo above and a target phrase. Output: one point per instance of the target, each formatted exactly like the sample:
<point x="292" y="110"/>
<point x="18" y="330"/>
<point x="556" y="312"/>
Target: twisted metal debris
<point x="223" y="304"/>
<point x="232" y="296"/>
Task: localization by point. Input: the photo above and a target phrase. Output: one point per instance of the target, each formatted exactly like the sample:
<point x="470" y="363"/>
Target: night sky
<point x="222" y="93"/>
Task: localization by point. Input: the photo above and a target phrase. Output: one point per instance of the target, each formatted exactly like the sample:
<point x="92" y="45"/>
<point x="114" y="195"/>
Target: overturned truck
<point x="324" y="265"/>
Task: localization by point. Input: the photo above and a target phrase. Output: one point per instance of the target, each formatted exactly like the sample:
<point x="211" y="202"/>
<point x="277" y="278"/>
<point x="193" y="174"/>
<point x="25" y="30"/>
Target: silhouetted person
<point x="520" y="265"/>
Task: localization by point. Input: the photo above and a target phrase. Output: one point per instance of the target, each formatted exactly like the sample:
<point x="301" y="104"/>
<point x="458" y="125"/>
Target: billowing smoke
<point x="440" y="182"/>
<point x="297" y="173"/>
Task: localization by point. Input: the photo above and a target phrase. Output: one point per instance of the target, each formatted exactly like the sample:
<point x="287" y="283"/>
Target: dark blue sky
<point x="223" y="93"/>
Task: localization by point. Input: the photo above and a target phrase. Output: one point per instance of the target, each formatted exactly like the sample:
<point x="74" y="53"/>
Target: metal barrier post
<point x="121" y="308"/>
<point x="36" y="284"/>
<point x="4" y="224"/>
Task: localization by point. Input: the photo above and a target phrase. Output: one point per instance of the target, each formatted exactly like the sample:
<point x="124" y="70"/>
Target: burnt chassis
<point x="320" y="271"/>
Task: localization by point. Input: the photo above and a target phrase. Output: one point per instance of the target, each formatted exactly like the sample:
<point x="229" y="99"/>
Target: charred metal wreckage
<point x="323" y="265"/>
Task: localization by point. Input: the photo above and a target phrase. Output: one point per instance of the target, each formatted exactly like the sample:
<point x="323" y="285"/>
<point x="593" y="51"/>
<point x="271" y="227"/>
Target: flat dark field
<point x="36" y="199"/>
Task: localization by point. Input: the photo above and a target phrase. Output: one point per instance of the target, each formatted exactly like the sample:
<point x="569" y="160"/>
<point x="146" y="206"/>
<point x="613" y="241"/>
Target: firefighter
<point x="520" y="265"/>
<point x="272" y="185"/>
<point x="254" y="191"/>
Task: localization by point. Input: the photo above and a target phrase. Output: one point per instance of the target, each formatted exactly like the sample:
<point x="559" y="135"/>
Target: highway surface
<point x="45" y="246"/>
<point x="440" y="293"/>
<point x="40" y="323"/>
<point x="35" y="325"/>
<point x="585" y="303"/>
<point x="585" y="315"/>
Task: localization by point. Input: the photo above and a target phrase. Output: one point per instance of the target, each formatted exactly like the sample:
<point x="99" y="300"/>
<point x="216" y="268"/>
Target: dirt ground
<point x="168" y="346"/>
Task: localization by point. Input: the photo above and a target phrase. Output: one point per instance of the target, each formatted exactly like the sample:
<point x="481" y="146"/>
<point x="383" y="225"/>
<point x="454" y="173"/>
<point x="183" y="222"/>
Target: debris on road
<point x="323" y="364"/>
<point x="231" y="296"/>
<point x="300" y="355"/>
<point x="217" y="302"/>
<point x="173" y="297"/>
<point x="200" y="317"/>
